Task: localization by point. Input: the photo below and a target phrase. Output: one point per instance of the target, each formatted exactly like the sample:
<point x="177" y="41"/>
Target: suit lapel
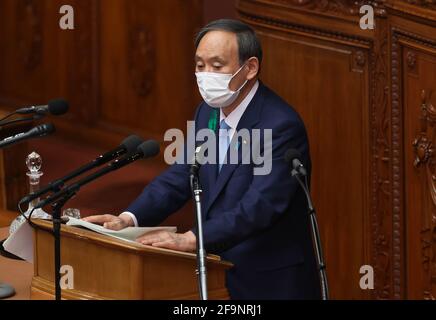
<point x="211" y="169"/>
<point x="248" y="120"/>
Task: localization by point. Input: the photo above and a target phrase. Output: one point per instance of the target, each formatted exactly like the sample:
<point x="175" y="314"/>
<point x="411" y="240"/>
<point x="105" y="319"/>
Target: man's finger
<point x="146" y="238"/>
<point x="116" y="225"/>
<point x="168" y="244"/>
<point x="150" y="240"/>
<point x="154" y="236"/>
<point x="100" y="219"/>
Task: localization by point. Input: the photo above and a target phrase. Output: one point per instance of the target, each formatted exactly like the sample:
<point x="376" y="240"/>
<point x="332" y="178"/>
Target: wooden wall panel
<point x="13" y="179"/>
<point x="374" y="207"/>
<point x="336" y="119"/>
<point x="127" y="67"/>
<point x="420" y="185"/>
<point x="412" y="65"/>
<point x="26" y="73"/>
<point x="326" y="78"/>
<point x="146" y="67"/>
<point x="418" y="67"/>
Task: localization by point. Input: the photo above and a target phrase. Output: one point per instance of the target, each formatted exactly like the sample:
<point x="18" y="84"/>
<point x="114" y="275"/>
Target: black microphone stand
<point x="201" y="252"/>
<point x="57" y="209"/>
<point x="58" y="200"/>
<point x="316" y="236"/>
<point x="57" y="221"/>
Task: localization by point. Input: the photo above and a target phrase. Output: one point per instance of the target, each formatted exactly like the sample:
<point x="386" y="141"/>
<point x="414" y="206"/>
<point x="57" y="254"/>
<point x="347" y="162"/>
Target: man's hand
<point x="170" y="240"/>
<point x="111" y="222"/>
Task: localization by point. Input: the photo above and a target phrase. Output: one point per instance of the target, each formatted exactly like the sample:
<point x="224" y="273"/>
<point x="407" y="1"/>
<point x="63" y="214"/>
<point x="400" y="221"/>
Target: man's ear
<point x="253" y="68"/>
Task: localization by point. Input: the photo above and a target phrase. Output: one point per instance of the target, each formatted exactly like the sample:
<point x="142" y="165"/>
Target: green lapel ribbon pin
<point x="213" y="120"/>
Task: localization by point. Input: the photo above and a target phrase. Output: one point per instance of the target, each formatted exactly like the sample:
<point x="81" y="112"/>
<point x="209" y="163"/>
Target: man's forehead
<point x="217" y="44"/>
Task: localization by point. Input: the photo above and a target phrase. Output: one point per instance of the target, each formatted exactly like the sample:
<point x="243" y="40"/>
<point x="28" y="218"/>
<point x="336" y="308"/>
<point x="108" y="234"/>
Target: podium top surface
<point x="136" y="248"/>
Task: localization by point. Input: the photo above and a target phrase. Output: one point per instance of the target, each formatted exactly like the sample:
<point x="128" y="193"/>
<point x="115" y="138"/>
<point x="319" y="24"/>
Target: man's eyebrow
<point x="218" y="59"/>
<point x="214" y="58"/>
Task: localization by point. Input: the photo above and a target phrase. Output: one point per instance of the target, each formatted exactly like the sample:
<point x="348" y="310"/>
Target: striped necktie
<point x="224" y="142"/>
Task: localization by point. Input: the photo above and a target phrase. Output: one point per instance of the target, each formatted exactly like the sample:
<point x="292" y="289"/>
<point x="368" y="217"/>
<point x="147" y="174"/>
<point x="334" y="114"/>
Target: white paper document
<point x="20" y="243"/>
<point x="129" y="234"/>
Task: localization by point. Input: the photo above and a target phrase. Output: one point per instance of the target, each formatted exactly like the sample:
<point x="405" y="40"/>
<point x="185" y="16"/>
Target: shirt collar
<point x="233" y="118"/>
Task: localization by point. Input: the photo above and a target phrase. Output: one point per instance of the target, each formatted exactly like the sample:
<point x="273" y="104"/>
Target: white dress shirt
<point x="232" y="120"/>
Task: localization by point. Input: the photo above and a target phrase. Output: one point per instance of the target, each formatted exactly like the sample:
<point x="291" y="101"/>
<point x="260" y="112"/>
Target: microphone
<point x="129" y="145"/>
<point x="197" y="159"/>
<point x="293" y="157"/>
<point x="38" y="131"/>
<point x="147" y="149"/>
<point x="54" y="107"/>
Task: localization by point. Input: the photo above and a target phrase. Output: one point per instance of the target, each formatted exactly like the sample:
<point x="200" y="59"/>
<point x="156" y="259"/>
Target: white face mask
<point x="214" y="88"/>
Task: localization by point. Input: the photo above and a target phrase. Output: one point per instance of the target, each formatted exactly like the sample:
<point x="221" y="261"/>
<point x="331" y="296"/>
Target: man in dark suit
<point x="257" y="222"/>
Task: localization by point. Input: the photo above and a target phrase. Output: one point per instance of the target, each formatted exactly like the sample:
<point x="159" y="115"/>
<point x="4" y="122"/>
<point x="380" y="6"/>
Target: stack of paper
<point x="129" y="234"/>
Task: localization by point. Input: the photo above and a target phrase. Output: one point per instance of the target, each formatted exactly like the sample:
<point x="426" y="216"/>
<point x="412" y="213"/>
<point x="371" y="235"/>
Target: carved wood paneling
<point x="382" y="53"/>
<point x="424" y="152"/>
<point x="411" y="61"/>
<point x="381" y="162"/>
<point x="417" y="104"/>
<point x="22" y="49"/>
<point x="306" y="52"/>
<point x="126" y="67"/>
<point x="338" y="7"/>
<point x="396" y="186"/>
<point x="430" y="4"/>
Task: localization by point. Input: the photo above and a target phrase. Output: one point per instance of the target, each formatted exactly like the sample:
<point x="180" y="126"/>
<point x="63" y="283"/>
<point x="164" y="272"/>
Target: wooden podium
<point x="108" y="268"/>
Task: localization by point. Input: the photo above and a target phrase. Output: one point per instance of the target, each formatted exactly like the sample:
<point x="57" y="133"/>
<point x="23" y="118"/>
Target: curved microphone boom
<point x="293" y="156"/>
<point x="147" y="149"/>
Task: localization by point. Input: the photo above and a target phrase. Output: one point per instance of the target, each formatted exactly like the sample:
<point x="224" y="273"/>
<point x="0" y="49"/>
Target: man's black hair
<point x="248" y="42"/>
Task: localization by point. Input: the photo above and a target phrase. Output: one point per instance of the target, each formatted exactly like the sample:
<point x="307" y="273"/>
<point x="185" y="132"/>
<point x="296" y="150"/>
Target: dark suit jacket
<point x="259" y="223"/>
